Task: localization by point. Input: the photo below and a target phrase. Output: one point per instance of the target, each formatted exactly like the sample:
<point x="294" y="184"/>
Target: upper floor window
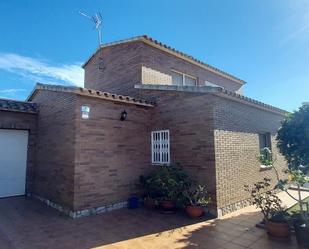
<point x="265" y="140"/>
<point x="207" y="83"/>
<point x="160" y="147"/>
<point x="182" y="79"/>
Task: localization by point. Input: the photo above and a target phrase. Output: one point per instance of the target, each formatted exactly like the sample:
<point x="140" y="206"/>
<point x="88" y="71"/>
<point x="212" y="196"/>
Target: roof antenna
<point x="97" y="20"/>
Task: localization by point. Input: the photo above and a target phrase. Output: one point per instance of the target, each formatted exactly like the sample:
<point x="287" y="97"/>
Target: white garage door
<point x="13" y="161"/>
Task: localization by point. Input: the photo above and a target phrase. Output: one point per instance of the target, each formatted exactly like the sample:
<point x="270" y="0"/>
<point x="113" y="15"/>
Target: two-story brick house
<point x="144" y="104"/>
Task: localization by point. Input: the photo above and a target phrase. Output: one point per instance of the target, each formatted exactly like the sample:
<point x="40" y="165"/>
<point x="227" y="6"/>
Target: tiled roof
<point x="213" y="90"/>
<point x="90" y="93"/>
<point x="18" y="106"/>
<point x="169" y="49"/>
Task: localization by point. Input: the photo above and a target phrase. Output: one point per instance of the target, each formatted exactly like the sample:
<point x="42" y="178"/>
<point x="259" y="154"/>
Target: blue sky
<point x="263" y="42"/>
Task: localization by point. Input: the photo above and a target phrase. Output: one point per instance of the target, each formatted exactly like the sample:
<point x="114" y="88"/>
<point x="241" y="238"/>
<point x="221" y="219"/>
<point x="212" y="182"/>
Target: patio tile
<point x="28" y="224"/>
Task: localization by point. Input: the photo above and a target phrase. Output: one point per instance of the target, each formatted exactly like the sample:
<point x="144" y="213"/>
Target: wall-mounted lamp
<point x="124" y="115"/>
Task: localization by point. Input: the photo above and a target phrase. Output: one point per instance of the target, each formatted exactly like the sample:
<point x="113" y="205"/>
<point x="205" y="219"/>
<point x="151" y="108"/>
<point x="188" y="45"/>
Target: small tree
<point x="293" y="143"/>
<point x="293" y="139"/>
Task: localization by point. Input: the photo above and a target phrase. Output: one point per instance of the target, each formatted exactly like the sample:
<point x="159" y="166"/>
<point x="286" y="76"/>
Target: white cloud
<point x="295" y="34"/>
<point x="296" y="26"/>
<point x="12" y="90"/>
<point x="38" y="70"/>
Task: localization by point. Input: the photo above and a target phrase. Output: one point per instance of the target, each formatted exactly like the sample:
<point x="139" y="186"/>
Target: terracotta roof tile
<point x="212" y="90"/>
<point x="91" y="93"/>
<point x="18" y="106"/>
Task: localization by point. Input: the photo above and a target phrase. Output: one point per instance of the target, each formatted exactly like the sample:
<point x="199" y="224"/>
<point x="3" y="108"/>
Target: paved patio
<point x="28" y="224"/>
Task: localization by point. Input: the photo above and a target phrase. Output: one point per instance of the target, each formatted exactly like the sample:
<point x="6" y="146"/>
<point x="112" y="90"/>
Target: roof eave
<point x="218" y="91"/>
<point x="90" y="93"/>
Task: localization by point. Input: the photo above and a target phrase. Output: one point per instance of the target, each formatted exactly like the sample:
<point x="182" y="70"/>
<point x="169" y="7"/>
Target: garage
<point x="13" y="162"/>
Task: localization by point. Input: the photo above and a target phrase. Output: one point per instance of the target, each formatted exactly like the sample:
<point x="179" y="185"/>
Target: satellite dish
<point x="97" y="20"/>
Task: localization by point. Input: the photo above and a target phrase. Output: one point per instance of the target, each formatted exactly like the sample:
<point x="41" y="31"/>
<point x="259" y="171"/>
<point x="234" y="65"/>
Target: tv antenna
<point x="97" y="20"/>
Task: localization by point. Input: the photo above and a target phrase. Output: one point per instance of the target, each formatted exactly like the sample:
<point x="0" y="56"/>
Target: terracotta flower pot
<point x="168" y="205"/>
<point x="194" y="211"/>
<point x="277" y="229"/>
<point x="150" y="203"/>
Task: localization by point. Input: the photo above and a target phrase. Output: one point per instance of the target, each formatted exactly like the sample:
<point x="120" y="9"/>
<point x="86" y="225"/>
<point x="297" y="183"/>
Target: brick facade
<point x="236" y="131"/>
<point x="94" y="164"/>
<point x="217" y="140"/>
<point x="23" y="121"/>
<point x="191" y="132"/>
<point x="110" y="154"/>
<point x="118" y="68"/>
<point x="54" y="174"/>
<point x="115" y="69"/>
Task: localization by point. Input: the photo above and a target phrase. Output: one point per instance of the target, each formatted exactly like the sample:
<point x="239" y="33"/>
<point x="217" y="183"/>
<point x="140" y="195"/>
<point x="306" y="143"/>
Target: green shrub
<point x="166" y="182"/>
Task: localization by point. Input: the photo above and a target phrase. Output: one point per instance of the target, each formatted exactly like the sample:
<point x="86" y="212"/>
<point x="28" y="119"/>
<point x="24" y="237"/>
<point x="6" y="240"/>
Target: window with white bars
<point x="160" y="147"/>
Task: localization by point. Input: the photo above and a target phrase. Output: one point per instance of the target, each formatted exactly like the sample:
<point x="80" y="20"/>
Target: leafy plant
<point x="266" y="157"/>
<point x="197" y="196"/>
<point x="293" y="139"/>
<point x="265" y="198"/>
<point x="293" y="143"/>
<point x="166" y="182"/>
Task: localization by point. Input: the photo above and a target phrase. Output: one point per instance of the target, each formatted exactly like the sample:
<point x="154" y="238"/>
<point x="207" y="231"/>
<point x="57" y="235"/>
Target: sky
<point x="265" y="43"/>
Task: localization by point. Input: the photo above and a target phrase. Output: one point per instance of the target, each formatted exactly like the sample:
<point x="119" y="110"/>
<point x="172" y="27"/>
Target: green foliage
<point x="264" y="197"/>
<point x="197" y="196"/>
<point x="293" y="139"/>
<point x="298" y="176"/>
<point x="165" y="182"/>
<point x="266" y="157"/>
<point x="293" y="143"/>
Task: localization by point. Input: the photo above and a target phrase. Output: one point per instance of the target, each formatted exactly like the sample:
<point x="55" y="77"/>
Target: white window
<point x="181" y="79"/>
<point x="160" y="147"/>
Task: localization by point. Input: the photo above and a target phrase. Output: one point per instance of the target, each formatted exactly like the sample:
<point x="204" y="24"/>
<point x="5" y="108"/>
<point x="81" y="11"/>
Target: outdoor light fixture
<point x="124" y="115"/>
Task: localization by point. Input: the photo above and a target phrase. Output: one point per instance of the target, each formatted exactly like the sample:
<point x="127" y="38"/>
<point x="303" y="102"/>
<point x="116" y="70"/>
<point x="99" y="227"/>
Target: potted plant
<point x="266" y="158"/>
<point x="150" y="192"/>
<point x="275" y="216"/>
<point x="293" y="143"/>
<point x="196" y="200"/>
<point x="166" y="184"/>
<point x="300" y="219"/>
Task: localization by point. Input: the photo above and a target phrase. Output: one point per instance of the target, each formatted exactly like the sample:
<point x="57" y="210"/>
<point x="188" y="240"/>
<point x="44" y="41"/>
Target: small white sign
<point x="85" y="111"/>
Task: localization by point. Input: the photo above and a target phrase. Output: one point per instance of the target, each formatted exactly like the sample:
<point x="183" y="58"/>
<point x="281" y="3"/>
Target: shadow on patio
<point x="26" y="223"/>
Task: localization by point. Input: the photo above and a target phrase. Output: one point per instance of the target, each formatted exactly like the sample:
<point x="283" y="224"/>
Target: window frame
<point x="267" y="140"/>
<point x="161" y="150"/>
<point x="184" y="75"/>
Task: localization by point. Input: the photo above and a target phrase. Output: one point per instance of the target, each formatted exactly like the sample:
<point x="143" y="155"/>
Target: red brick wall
<point x="117" y="68"/>
<point x="163" y="62"/>
<point x="86" y="163"/>
<point x="189" y="118"/>
<point x="54" y="173"/>
<point x="23" y="121"/>
<point x="110" y="154"/>
<point x="216" y="139"/>
<point x="237" y="146"/>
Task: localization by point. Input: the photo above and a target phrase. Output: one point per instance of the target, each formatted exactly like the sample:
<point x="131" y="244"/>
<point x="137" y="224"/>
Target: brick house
<point x="83" y="159"/>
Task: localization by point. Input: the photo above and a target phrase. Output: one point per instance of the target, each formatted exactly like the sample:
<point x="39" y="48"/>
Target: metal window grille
<point x="160" y="143"/>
